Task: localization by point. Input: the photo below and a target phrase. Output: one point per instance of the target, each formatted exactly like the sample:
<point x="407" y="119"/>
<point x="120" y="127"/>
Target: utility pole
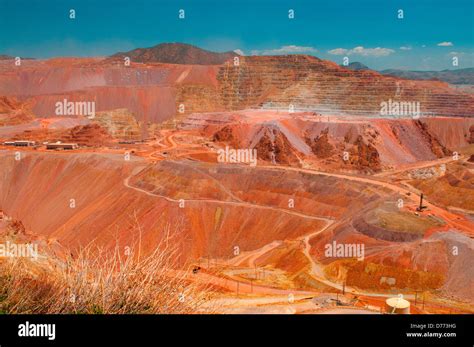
<point x="421" y="207"/>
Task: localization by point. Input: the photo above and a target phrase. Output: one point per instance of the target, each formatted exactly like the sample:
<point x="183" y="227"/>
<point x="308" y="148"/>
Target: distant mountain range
<point x="356" y="66"/>
<point x="459" y="76"/>
<point x="9" y="57"/>
<point x="176" y="53"/>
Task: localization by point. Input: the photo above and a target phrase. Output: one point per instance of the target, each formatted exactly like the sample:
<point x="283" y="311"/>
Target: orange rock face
<point x="13" y="111"/>
<point x="366" y="155"/>
<point x="91" y="135"/>
<point x="321" y="146"/>
<point x="154" y="91"/>
<point x="361" y="144"/>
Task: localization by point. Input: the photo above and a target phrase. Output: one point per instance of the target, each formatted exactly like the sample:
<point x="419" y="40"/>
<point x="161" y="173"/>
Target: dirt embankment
<point x="344" y="144"/>
<point x="455" y="188"/>
<point x="441" y="262"/>
<point x="13" y="111"/>
<point x="77" y="198"/>
<point x="383" y="234"/>
<point x="91" y="135"/>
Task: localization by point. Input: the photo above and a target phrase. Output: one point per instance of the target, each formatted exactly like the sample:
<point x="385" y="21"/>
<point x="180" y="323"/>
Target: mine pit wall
<point x="151" y="104"/>
<point x="153" y="92"/>
<point x="198" y="98"/>
<point x="399" y="140"/>
<point x="454" y="133"/>
<point x="43" y="77"/>
<point x="37" y="191"/>
<point x="305" y="81"/>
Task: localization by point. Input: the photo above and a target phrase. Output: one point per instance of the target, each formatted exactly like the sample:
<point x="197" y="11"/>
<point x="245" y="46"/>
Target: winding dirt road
<point x="249" y="258"/>
<point x="126" y="183"/>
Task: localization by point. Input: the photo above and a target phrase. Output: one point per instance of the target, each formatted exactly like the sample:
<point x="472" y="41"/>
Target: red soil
<point x="276" y="81"/>
<point x="372" y="144"/>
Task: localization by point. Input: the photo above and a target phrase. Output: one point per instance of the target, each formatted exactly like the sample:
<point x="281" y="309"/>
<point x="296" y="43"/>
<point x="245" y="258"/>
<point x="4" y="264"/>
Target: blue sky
<point x="429" y="35"/>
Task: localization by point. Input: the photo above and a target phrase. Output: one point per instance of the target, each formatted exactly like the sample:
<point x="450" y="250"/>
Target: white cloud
<point x="239" y="51"/>
<point x="445" y="44"/>
<point x="339" y="51"/>
<point x="290" y="49"/>
<point x="405" y="48"/>
<point x="468" y="57"/>
<point x="366" y="52"/>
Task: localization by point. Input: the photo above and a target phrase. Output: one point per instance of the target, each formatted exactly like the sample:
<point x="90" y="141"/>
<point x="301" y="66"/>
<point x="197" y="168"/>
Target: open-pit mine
<point x="280" y="181"/>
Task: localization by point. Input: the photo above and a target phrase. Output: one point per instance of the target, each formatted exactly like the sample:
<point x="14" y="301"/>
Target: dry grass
<point x="97" y="281"/>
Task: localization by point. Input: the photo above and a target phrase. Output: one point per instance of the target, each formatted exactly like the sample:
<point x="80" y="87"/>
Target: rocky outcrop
<point x="274" y="147"/>
<point x="371" y="145"/>
<point x="320" y="145"/>
<point x="120" y="124"/>
<point x="365" y="156"/>
<point x="226" y="135"/>
<point x="87" y="135"/>
<point x="436" y="147"/>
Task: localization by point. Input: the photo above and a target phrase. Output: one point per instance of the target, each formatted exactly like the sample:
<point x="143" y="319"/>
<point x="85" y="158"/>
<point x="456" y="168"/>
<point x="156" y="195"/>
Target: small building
<point x="61" y="145"/>
<point x="25" y="143"/>
<point x="20" y="143"/>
